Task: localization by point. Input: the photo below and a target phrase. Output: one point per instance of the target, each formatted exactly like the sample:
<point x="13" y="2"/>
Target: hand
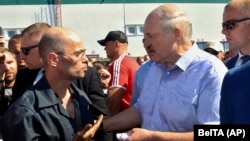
<point x="104" y="74"/>
<point x="88" y="131"/>
<point x="138" y="134"/>
<point x="105" y="77"/>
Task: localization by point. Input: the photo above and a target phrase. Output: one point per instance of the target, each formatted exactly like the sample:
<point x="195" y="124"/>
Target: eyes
<point x="80" y="54"/>
<point x="26" y="50"/>
<point x="230" y="24"/>
<point x="150" y="36"/>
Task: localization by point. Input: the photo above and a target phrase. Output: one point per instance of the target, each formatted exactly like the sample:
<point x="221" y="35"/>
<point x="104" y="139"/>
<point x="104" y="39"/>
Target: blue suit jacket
<point x="231" y="62"/>
<point x="235" y="96"/>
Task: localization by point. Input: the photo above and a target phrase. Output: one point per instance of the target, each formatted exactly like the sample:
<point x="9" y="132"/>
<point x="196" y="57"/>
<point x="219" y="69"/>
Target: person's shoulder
<point x="242" y="70"/>
<point x="145" y="66"/>
<point x="238" y="76"/>
<point x="127" y="62"/>
<point x="129" y="59"/>
<point x="24" y="105"/>
<point x="90" y="71"/>
<point x="89" y="68"/>
<point x="27" y="71"/>
<point x="210" y="61"/>
<point x="147" y="63"/>
<point x="27" y="99"/>
<point x="23" y="71"/>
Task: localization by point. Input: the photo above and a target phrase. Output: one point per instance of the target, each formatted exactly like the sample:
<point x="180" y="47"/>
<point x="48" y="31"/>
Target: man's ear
<point x="177" y="33"/>
<point x="53" y="59"/>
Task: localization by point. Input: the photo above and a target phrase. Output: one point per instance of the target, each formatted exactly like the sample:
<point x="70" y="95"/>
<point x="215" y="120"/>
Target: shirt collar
<point x="185" y="60"/>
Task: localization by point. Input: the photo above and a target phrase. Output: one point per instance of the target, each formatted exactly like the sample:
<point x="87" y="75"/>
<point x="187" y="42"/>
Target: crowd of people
<point x="50" y="90"/>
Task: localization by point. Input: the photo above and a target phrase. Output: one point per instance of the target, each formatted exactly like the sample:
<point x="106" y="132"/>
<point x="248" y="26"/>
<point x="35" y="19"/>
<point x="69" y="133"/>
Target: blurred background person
<point x="2" y="41"/>
<point x="229" y="54"/>
<point x="14" y="45"/>
<point x="215" y="49"/>
<point x="30" y="38"/>
<point x="8" y="71"/>
<point x="122" y="71"/>
<point x="146" y="58"/>
<point x="140" y="60"/>
<point x="104" y="75"/>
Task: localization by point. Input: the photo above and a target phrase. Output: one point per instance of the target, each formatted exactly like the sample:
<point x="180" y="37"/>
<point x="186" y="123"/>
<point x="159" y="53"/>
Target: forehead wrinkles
<point x="152" y="23"/>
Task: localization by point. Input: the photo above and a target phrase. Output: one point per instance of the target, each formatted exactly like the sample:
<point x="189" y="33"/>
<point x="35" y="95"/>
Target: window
<point x="141" y="29"/>
<point x="9" y="32"/>
<point x="134" y="30"/>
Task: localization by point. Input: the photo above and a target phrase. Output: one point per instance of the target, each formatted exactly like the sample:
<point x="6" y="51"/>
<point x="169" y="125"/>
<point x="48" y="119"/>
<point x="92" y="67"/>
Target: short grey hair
<point x="171" y="17"/>
<point x="243" y="6"/>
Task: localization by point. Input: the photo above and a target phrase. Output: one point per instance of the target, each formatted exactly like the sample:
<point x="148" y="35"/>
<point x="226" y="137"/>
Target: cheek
<point x="109" y="49"/>
<point x="13" y="66"/>
<point x="162" y="47"/>
<point x="245" y="36"/>
<point x="77" y="65"/>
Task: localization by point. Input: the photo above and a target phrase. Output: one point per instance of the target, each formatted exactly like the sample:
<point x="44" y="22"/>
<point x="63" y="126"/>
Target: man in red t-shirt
<point x="122" y="71"/>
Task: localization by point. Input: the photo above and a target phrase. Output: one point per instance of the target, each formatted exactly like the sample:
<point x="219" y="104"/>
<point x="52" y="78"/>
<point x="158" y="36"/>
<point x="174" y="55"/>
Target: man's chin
<point x="80" y="75"/>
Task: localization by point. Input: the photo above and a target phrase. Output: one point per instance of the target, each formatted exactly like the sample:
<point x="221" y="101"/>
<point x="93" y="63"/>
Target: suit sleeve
<point x="93" y="88"/>
<point x="223" y="102"/>
<point x="95" y="93"/>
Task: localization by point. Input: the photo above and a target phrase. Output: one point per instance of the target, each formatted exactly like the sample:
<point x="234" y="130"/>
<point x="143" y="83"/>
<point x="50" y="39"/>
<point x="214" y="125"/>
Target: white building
<point x="93" y="19"/>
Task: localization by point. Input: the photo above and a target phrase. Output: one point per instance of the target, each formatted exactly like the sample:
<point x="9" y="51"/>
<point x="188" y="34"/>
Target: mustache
<point x="149" y="49"/>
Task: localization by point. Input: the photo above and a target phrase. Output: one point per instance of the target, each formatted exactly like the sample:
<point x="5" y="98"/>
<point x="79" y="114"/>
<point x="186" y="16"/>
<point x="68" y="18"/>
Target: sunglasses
<point x="26" y="50"/>
<point x="230" y="24"/>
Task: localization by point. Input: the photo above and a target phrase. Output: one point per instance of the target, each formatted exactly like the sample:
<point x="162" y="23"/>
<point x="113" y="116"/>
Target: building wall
<point x="94" y="20"/>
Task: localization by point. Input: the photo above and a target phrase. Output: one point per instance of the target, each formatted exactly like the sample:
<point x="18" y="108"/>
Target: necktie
<point x="244" y="59"/>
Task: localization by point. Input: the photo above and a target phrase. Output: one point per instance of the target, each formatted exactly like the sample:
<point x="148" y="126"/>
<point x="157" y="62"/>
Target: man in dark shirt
<point x="53" y="108"/>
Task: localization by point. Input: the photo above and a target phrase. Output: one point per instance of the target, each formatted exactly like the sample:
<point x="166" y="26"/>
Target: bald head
<point x="63" y="32"/>
<point x="57" y="38"/>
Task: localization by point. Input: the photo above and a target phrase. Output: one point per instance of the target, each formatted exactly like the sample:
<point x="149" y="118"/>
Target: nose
<point x="6" y="66"/>
<point x="145" y="42"/>
<point x="223" y="31"/>
<point x="85" y="59"/>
